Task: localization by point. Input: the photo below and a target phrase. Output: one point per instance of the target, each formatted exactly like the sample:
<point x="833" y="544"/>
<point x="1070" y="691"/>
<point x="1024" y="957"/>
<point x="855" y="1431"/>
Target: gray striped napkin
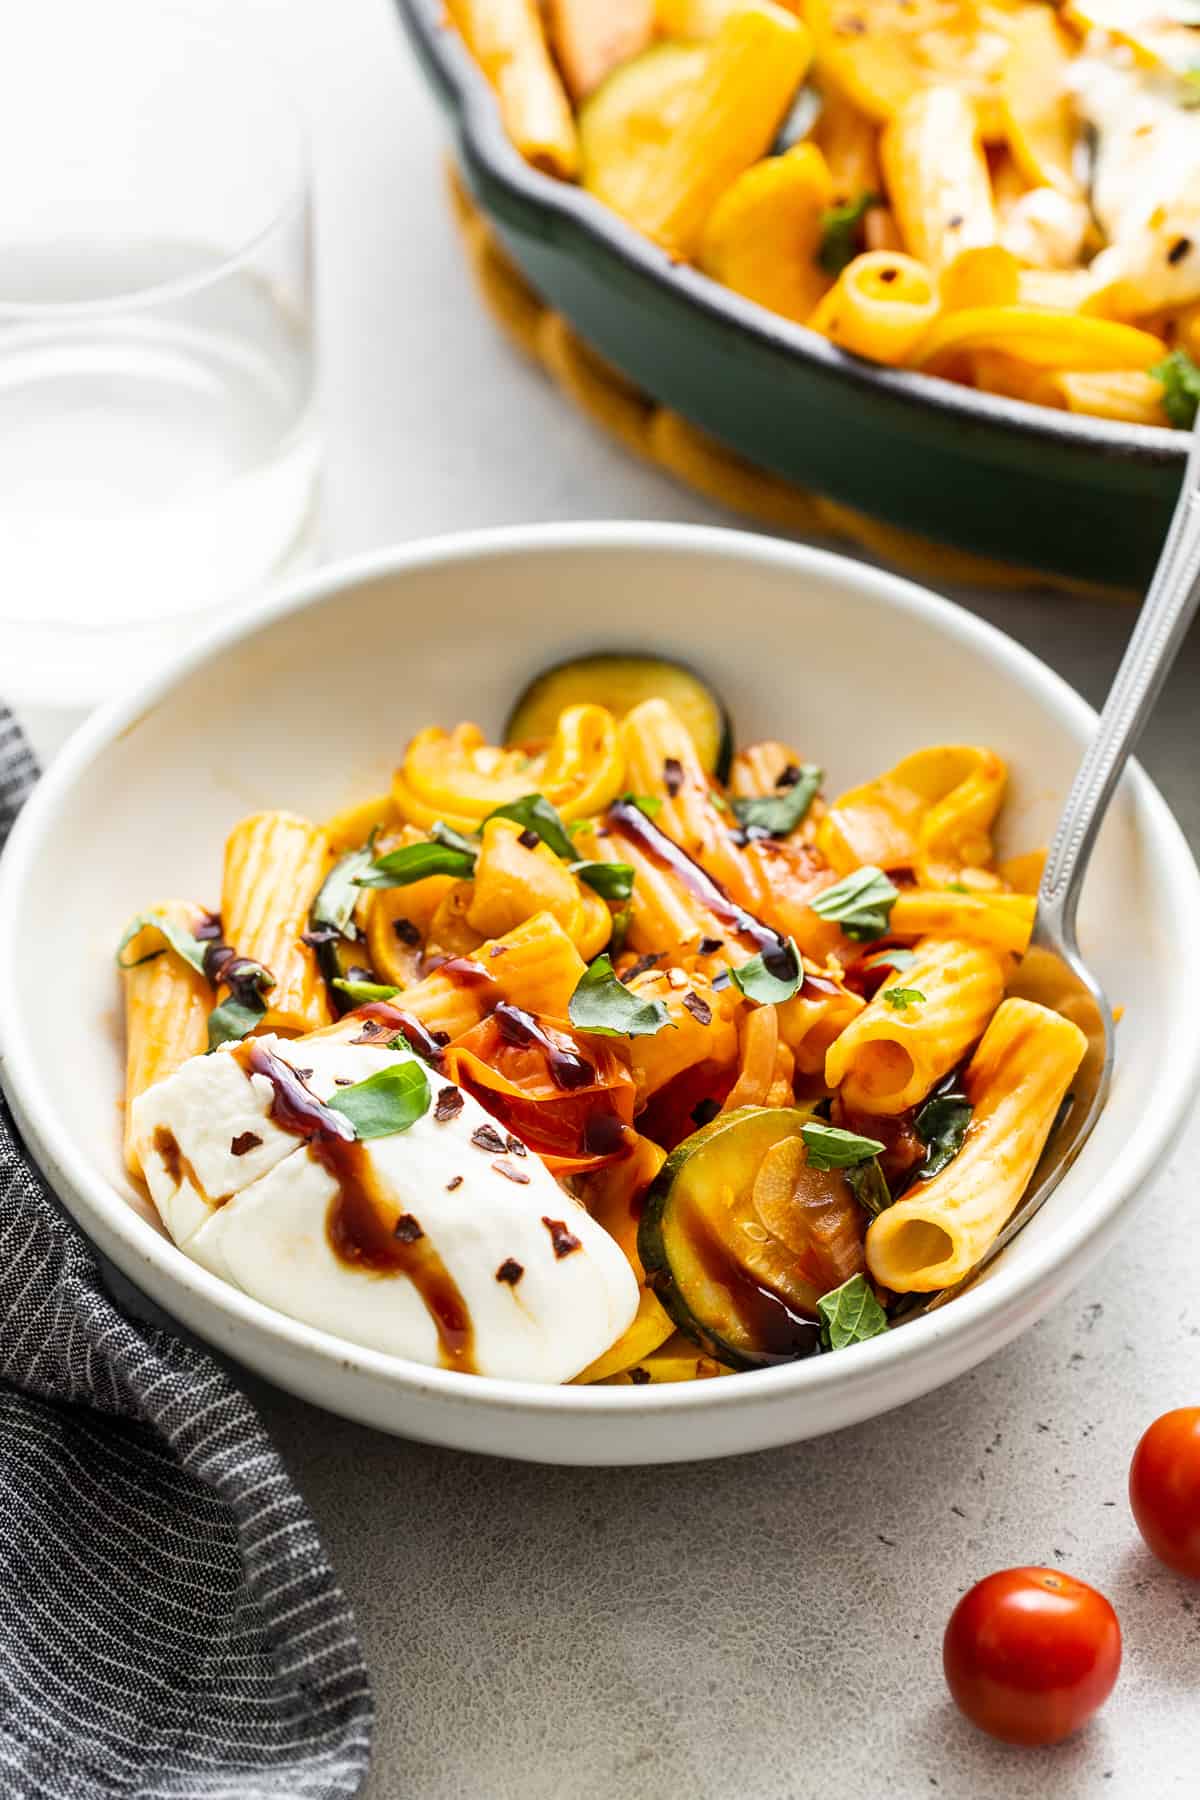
<point x="169" y="1623"/>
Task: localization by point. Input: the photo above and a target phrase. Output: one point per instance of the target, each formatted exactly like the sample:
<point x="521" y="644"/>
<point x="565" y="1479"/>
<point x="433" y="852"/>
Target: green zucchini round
<point x="620" y="683"/>
<point x="728" y="1285"/>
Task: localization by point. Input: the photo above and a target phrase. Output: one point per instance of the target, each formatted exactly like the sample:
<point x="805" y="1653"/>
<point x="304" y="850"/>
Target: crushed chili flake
<point x="955" y="222"/>
<point x="516" y="1146"/>
<point x="511" y="1172"/>
<point x="486" y="1137"/>
<point x="672" y="775"/>
<point x="455" y="1181"/>
<point x="407" y="932"/>
<point x="639" y="1377"/>
<point x="1179" y="250"/>
<point x="495" y="951"/>
<point x="564" y="1241"/>
<point x="510" y="1271"/>
<point x="304" y="1074"/>
<point x="700" y="1010"/>
<point x="448" y="1104"/>
<point x="888" y="275"/>
<point x="372" y="1029"/>
<point x="245" y="1140"/>
<point x="528" y="839"/>
<point x="407" y="1229"/>
<point x="343" y="1081"/>
<point x="710" y="945"/>
<point x="440" y="1038"/>
<point x="788" y="776"/>
<point x="323" y="934"/>
<point x="643" y="965"/>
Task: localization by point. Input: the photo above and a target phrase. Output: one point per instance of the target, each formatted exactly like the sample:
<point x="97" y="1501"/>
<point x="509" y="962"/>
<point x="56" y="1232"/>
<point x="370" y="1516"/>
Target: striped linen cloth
<point x="169" y="1623"/>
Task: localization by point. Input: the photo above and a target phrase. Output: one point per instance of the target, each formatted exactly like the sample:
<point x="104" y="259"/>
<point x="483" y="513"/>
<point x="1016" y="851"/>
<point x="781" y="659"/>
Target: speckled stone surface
<point x="765" y="1629"/>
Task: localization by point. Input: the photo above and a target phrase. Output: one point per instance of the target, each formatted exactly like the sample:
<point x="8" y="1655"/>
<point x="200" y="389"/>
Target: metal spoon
<point x="1052" y="970"/>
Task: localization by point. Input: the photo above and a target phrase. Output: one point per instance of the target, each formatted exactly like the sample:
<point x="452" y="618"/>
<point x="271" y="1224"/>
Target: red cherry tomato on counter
<point x="1164" y="1489"/>
<point x="1030" y="1654"/>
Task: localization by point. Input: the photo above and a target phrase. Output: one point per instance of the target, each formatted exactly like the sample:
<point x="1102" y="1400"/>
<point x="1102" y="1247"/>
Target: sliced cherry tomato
<point x="1030" y="1654"/>
<point x="1164" y="1489"/>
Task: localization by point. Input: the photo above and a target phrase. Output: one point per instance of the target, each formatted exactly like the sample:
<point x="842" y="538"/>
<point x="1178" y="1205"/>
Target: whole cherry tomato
<point x="1164" y="1489"/>
<point x="1030" y="1654"/>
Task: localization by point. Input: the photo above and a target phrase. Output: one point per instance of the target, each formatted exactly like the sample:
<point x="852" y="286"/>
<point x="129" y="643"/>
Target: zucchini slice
<point x="730" y="1283"/>
<point x="620" y="683"/>
<point x="633" y="113"/>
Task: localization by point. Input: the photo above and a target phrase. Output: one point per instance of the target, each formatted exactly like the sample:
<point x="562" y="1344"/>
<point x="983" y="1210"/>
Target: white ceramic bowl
<point x="307" y="703"/>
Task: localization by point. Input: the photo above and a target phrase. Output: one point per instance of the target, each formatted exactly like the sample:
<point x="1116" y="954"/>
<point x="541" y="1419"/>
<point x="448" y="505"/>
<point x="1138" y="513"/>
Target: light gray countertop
<point x="766" y="1628"/>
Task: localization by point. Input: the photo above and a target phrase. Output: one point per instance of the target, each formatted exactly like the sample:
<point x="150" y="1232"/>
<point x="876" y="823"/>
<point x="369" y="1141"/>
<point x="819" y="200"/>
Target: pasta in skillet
<point x="999" y="192"/>
<point x="602" y="1053"/>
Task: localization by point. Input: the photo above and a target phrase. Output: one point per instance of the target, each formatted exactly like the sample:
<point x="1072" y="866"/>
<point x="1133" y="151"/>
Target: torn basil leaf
<point x="769" y="980"/>
<point x="358" y="993"/>
<point x="1180" y="377"/>
<point x="533" y="812"/>
<point x="861" y="903"/>
<point x="620" y="931"/>
<point x="604" y="1005"/>
<point x="941" y="1124"/>
<point x="901" y="998"/>
<point x="842" y="232"/>
<point x="829" y="1147"/>
<point x="399" y="868"/>
<point x="387" y="1102"/>
<point x="650" y="804"/>
<point x="850" y="1314"/>
<point x="441" y="833"/>
<point x="234" y="1019"/>
<point x="869" y="1185"/>
<point x="612" y="881"/>
<point x="779" y="813"/>
<point x="891" y="958"/>
<point x="333" y="908"/>
<point x="177" y="937"/>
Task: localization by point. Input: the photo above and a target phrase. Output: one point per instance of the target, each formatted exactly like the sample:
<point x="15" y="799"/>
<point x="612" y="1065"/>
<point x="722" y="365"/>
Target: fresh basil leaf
<point x="533" y="812"/>
<point x="1180" y="377"/>
<point x="957" y="887"/>
<point x="841" y="232"/>
<point x="389" y="1101"/>
<point x="333" y="908"/>
<point x="603" y="1005"/>
<point x="650" y="804"/>
<point x="359" y="992"/>
<point x="829" y="1147"/>
<point x="850" y="1314"/>
<point x="900" y="999"/>
<point x="779" y="813"/>
<point x="612" y="881"/>
<point x="441" y="833"/>
<point x="868" y="1183"/>
<point x="399" y="868"/>
<point x="177" y="937"/>
<point x="233" y="1020"/>
<point x="941" y="1124"/>
<point x="889" y="959"/>
<point x="770" y="982"/>
<point x="861" y="903"/>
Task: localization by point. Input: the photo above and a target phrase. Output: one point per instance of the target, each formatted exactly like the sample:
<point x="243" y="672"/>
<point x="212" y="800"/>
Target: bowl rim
<point x="484" y="135"/>
<point x="974" y="1318"/>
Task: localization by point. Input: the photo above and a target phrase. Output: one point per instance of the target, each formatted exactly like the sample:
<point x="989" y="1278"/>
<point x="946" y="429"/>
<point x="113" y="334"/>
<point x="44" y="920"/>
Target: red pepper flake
<point x="720" y="980"/>
<point x="455" y="1181"/>
<point x="642" y="966"/>
<point x="407" y="932"/>
<point x="343" y="1081"/>
<point x="888" y="275"/>
<point x="495" y="951"/>
<point x="511" y="1172"/>
<point x="448" y="1104"/>
<point x="564" y="1241"/>
<point x="788" y="776"/>
<point x="710" y="945"/>
<point x="245" y="1140"/>
<point x="486" y="1137"/>
<point x="407" y="1229"/>
<point x="516" y="1146"/>
<point x="639" y="1377"/>
<point x="304" y="1074"/>
<point x="528" y="839"/>
<point x="440" y="1038"/>
<point x="955" y="222"/>
<point x="510" y="1271"/>
<point x="1178" y="250"/>
<point x="700" y="1010"/>
<point x="672" y="775"/>
<point x="372" y="1031"/>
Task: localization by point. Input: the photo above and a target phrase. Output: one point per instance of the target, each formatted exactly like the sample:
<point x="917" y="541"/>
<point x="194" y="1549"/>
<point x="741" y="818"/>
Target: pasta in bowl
<point x="307" y="704"/>
<point x="605" y="1053"/>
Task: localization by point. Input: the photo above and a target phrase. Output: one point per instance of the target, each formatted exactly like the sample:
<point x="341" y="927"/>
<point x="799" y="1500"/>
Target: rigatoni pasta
<point x="758" y="1043"/>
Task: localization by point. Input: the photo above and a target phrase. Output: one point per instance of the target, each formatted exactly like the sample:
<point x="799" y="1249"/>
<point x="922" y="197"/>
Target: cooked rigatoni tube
<point x="1125" y="394"/>
<point x="167" y="1003"/>
<point x="505" y="37"/>
<point x="1004" y="921"/>
<point x="274" y="864"/>
<point x="754" y="67"/>
<point x="936" y="176"/>
<point x="1016" y="1081"/>
<point x="917" y="1027"/>
<point x="702" y="1028"/>
<point x="763" y="236"/>
<point x="661" y="760"/>
<point x="849" y="142"/>
<point x="881" y="305"/>
<point x="813" y="1019"/>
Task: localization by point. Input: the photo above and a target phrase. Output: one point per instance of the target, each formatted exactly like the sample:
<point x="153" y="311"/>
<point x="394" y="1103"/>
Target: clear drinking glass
<point x="158" y="439"/>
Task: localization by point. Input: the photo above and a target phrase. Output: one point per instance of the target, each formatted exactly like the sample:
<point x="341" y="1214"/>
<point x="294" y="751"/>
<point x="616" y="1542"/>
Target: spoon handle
<point x="1166" y="613"/>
